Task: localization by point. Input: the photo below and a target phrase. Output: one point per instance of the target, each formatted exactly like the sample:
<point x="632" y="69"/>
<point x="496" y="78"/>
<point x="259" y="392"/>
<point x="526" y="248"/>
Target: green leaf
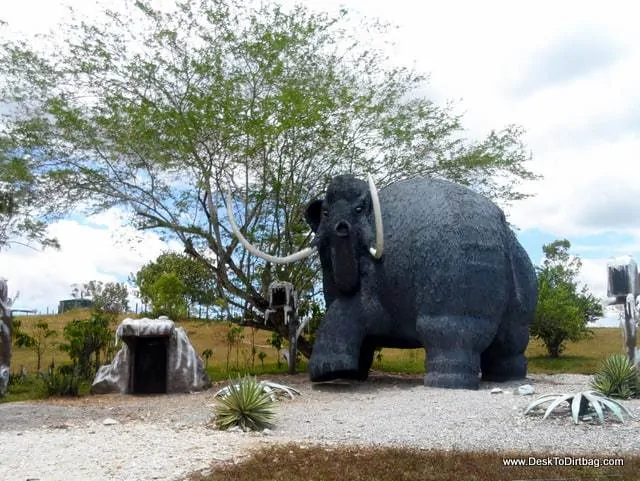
<point x="556" y="403"/>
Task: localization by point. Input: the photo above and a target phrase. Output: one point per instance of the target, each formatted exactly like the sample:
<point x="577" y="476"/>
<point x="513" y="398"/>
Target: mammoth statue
<point x="423" y="263"/>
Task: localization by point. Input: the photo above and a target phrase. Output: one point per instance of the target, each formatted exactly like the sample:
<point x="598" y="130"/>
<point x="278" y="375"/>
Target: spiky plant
<point x="617" y="377"/>
<point x="581" y="404"/>
<point x="245" y="405"/>
<point x="274" y="390"/>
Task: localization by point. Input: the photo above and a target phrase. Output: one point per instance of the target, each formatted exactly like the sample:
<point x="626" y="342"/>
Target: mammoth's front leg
<point x="454" y="345"/>
<point x="336" y="350"/>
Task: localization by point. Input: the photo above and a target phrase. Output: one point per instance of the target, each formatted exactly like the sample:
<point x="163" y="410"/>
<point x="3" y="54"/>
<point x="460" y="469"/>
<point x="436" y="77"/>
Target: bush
<point x="246" y="405"/>
<point x="63" y="381"/>
<point x="617" y="377"/>
<point x="564" y="310"/>
<point x="86" y="338"/>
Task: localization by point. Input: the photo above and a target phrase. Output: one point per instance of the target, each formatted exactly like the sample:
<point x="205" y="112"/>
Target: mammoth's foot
<point x="334" y="367"/>
<point x="454" y="344"/>
<point x="452" y="370"/>
<point x="504" y="368"/>
<point x="343" y="364"/>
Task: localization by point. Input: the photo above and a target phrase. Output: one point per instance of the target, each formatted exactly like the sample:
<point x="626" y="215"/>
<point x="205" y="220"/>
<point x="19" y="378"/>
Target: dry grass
<point x="298" y="463"/>
<point x="581" y="357"/>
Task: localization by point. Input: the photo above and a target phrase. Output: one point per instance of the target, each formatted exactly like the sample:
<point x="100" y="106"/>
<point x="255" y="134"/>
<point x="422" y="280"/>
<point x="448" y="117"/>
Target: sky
<point x="568" y="72"/>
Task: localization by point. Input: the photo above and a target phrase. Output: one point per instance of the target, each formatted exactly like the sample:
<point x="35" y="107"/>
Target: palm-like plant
<point x="274" y="390"/>
<point x="581" y="403"/>
<point x="244" y="404"/>
<point x="617" y="377"/>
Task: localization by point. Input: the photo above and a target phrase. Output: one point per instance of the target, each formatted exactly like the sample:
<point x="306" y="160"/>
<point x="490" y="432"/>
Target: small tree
<point x="234" y="336"/>
<point x="199" y="285"/>
<point x="207" y="353"/>
<point x="167" y="295"/>
<point x="84" y="339"/>
<point x="39" y="342"/>
<point x="112" y="298"/>
<point x="564" y="309"/>
<point x="276" y="343"/>
<point x="262" y="355"/>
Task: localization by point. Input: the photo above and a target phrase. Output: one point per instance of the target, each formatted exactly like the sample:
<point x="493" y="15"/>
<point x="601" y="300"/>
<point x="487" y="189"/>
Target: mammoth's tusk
<point x="269" y="258"/>
<point x="376" y="251"/>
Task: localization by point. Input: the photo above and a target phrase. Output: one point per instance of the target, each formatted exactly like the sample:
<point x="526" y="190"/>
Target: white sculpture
<point x="623" y="284"/>
<point x="5" y="335"/>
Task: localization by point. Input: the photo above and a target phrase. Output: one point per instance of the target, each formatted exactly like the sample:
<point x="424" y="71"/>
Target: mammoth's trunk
<point x="346" y="273"/>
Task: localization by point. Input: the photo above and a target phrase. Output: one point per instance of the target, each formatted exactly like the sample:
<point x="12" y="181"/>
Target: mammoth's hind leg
<point x="454" y="345"/>
<point x="504" y="359"/>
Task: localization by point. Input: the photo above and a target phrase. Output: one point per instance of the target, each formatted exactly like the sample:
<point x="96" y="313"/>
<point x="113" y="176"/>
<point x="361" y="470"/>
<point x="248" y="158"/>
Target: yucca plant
<point x="581" y="403"/>
<point x="274" y="390"/>
<point x="617" y="377"/>
<point x="245" y="404"/>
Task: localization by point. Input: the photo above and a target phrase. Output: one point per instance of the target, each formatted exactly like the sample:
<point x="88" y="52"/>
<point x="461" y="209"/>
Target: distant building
<point x="69" y="304"/>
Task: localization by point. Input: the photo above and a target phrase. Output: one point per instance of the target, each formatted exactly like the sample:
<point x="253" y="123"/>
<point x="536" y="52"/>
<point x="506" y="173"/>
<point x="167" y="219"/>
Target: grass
<point x="30" y="388"/>
<point x="581" y="357"/>
<point x="315" y="463"/>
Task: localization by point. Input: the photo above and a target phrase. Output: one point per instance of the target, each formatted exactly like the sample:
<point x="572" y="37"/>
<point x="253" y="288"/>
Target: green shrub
<point x="63" y="381"/>
<point x="245" y="405"/>
<point x="617" y="377"/>
<point x="86" y="338"/>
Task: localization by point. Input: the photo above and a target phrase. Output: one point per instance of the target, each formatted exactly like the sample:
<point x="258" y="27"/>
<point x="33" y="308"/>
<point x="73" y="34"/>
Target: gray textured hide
<point x="6" y="325"/>
<point x="185" y="369"/>
<point x="452" y="279"/>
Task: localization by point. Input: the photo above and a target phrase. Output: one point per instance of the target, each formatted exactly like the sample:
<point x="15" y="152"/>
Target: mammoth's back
<point x="445" y="242"/>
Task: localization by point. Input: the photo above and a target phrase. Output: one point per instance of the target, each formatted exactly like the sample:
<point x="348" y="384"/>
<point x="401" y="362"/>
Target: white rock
<point x="526" y="390"/>
<point x="496" y="390"/>
<point x="109" y="422"/>
<point x="267" y="432"/>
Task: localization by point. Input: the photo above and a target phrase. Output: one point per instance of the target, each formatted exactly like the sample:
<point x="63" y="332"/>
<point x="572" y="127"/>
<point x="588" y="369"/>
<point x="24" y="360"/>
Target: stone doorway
<point x="156" y="358"/>
<point x="149" y="366"/>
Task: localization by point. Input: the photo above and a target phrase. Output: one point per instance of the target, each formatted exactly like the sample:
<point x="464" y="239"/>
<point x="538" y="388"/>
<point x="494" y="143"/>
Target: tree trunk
<point x="302" y="344"/>
<point x="554" y="350"/>
<point x="293" y="327"/>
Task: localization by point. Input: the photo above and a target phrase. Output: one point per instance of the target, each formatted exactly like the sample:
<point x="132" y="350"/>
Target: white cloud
<point x="87" y="253"/>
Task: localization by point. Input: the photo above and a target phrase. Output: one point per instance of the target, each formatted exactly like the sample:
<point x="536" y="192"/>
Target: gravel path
<point x="166" y="437"/>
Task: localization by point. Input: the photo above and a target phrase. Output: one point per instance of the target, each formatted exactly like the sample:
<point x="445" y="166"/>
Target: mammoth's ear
<point x="313" y="214"/>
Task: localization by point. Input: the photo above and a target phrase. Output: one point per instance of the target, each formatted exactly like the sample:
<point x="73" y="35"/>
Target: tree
<point x="167" y="295"/>
<point x="29" y="200"/>
<point x="158" y="113"/>
<point x="84" y="339"/>
<point x="564" y="308"/>
<point x="110" y="297"/>
<point x="195" y="277"/>
<point x="207" y="353"/>
<point x="39" y="341"/>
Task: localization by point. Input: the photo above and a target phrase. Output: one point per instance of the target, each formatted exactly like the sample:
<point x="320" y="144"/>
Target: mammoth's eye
<point x="325" y="212"/>
<point x="359" y="209"/>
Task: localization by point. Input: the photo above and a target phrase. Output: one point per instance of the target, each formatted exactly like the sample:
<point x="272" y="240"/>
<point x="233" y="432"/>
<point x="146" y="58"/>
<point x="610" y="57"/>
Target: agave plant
<point x="245" y="404"/>
<point x="581" y="403"/>
<point x="617" y="377"/>
<point x="274" y="390"/>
